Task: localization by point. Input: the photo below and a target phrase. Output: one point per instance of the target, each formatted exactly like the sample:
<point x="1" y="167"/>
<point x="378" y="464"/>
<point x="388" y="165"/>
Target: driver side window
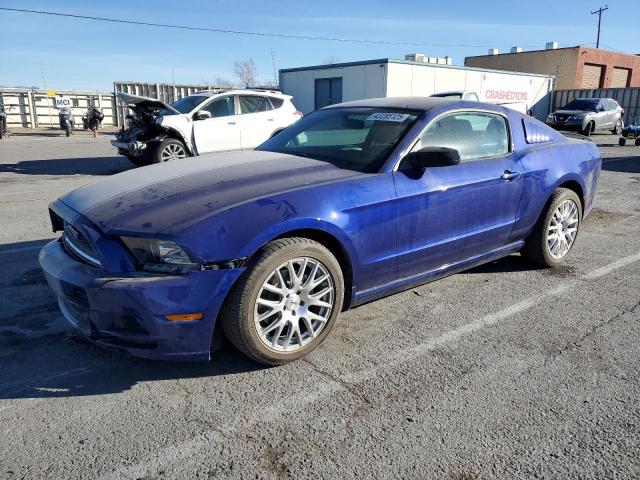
<point x="474" y="135"/>
<point x="220" y="107"/>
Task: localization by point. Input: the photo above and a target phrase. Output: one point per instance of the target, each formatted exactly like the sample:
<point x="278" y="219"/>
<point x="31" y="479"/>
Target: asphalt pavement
<point x="502" y="372"/>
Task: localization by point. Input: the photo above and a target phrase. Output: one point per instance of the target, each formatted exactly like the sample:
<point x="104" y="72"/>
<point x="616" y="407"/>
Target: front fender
<point x="316" y="224"/>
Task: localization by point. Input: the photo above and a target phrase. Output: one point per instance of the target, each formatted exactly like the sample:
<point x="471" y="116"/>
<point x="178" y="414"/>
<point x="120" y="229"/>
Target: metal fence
<point x="35" y="108"/>
<point x="166" y="92"/>
<point x="628" y="98"/>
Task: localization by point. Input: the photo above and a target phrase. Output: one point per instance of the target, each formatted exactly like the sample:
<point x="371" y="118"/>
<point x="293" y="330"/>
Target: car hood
<point x="138" y="104"/>
<point x="169" y="197"/>
<point x="572" y="112"/>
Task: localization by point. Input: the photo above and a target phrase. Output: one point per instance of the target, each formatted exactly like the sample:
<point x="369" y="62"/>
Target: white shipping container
<point x="399" y="78"/>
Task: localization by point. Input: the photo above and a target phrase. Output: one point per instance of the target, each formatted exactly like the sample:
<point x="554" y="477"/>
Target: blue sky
<point x="83" y="54"/>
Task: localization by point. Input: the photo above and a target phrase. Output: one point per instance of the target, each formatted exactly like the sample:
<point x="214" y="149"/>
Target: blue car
<point x="351" y="203"/>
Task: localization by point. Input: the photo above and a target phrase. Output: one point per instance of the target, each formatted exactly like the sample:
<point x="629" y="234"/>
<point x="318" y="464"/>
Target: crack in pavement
<point x="577" y="343"/>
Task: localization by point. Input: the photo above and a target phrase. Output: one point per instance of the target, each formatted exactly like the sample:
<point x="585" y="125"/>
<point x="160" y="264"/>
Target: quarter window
<point x="276" y="102"/>
<point x="254" y="104"/>
<point x="474" y="134"/>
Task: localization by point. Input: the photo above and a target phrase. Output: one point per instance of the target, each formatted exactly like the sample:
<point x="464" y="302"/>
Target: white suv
<point x="209" y="121"/>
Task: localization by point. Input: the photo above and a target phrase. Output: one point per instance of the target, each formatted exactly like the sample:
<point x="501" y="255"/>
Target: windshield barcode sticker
<point x="388" y="117"/>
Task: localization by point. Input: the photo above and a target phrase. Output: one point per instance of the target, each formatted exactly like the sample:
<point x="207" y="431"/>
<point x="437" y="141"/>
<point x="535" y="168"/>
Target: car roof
<point x="412" y="103"/>
<point x="241" y="91"/>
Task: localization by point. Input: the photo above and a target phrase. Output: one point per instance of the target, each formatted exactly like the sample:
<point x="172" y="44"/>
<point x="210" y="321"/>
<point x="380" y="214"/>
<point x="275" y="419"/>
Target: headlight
<point x="580" y="116"/>
<point x="161" y="256"/>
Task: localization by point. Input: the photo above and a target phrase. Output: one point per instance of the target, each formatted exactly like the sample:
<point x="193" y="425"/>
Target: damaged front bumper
<point x="130" y="148"/>
<point x="129" y="311"/>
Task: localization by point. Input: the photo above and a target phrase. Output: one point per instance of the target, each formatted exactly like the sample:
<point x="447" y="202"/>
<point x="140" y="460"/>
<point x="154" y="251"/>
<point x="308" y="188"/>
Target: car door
<point x="449" y="214"/>
<point x="603" y="114"/>
<point x="612" y="110"/>
<point x="221" y="132"/>
<point x="257" y="120"/>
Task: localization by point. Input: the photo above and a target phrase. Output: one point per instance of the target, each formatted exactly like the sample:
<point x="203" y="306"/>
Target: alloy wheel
<point x="618" y="129"/>
<point x="294" y="304"/>
<point x="563" y="228"/>
<point x="171" y="152"/>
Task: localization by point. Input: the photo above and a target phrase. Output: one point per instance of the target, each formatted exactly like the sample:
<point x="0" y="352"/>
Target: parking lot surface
<point x="504" y="371"/>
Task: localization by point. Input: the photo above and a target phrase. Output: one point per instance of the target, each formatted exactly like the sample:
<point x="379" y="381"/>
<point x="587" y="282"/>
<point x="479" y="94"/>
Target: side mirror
<point x="202" y="115"/>
<point x="601" y="108"/>
<point x="433" y="157"/>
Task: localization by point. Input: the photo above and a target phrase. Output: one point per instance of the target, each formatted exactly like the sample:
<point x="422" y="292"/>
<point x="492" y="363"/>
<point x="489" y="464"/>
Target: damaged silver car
<point x="209" y="121"/>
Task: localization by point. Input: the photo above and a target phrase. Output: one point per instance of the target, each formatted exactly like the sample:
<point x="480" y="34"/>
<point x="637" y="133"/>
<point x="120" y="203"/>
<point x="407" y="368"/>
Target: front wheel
<point x="622" y="141"/>
<point x="170" y="149"/>
<point x="67" y="130"/>
<point x="556" y="230"/>
<point x="286" y="301"/>
<point x="588" y="129"/>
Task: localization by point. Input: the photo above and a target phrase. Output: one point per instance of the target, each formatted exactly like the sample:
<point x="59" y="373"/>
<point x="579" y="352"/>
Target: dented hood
<point x="144" y="103"/>
<point x="170" y="197"/>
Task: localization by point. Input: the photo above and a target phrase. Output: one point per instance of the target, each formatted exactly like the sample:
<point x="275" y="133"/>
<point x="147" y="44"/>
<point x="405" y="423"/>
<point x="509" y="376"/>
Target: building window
<point x="621" y="77"/>
<point x="592" y="76"/>
<point x="328" y="91"/>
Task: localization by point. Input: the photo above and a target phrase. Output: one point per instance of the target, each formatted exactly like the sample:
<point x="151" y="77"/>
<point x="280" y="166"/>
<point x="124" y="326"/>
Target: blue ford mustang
<point x="351" y="203"/>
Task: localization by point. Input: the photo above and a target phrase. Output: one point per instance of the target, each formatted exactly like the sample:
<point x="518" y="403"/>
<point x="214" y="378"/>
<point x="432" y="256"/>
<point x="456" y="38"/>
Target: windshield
<point x="357" y="139"/>
<point x="581" y="104"/>
<point x="185" y="105"/>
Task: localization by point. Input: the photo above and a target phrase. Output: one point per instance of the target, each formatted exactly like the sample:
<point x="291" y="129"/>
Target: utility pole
<point x="600" y="11"/>
<point x="273" y="62"/>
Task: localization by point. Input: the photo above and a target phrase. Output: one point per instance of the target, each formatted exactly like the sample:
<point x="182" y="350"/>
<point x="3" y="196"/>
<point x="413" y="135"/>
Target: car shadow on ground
<point x="42" y="356"/>
<point x="509" y="264"/>
<point x="623" y="164"/>
<point x="57" y="133"/>
<point x="69" y="166"/>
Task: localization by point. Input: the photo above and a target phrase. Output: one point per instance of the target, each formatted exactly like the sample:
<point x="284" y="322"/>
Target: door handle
<point x="509" y="175"/>
<point x="231" y="123"/>
<point x="270" y="119"/>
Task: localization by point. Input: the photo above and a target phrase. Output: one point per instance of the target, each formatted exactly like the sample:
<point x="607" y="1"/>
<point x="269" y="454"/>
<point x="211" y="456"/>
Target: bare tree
<point x="246" y="72"/>
<point x="330" y="60"/>
<point x="223" y="82"/>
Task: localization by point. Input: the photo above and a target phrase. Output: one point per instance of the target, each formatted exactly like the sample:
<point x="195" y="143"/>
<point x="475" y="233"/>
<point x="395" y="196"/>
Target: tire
<point x="617" y="130"/>
<point x="140" y="160"/>
<point x="622" y="141"/>
<point x="241" y="309"/>
<point x="538" y="246"/>
<point x="637" y="142"/>
<point x="588" y="130"/>
<point x="163" y="153"/>
<point x="67" y="131"/>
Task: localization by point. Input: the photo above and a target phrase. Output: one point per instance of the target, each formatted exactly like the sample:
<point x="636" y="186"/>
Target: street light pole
<point x="600" y="11"/>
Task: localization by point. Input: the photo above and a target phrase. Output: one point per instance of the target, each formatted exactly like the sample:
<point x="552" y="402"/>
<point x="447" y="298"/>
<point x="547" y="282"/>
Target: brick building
<point x="573" y="67"/>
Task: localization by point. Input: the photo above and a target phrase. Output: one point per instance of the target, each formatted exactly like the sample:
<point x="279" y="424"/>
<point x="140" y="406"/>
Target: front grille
<point x="561" y="118"/>
<point x="79" y="245"/>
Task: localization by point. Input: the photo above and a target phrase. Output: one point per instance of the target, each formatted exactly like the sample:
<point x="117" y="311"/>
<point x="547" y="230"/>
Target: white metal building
<point x="321" y="85"/>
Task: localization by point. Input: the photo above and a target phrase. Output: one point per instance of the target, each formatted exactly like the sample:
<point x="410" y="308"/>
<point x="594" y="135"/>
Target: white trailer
<point x="317" y="86"/>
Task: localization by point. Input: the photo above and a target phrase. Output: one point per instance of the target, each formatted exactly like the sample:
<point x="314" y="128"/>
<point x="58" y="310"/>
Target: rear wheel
<point x="285" y="303"/>
<point x="622" y="142"/>
<point x="637" y="143"/>
<point x="617" y="130"/>
<point x="170" y="149"/>
<point x="556" y="231"/>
